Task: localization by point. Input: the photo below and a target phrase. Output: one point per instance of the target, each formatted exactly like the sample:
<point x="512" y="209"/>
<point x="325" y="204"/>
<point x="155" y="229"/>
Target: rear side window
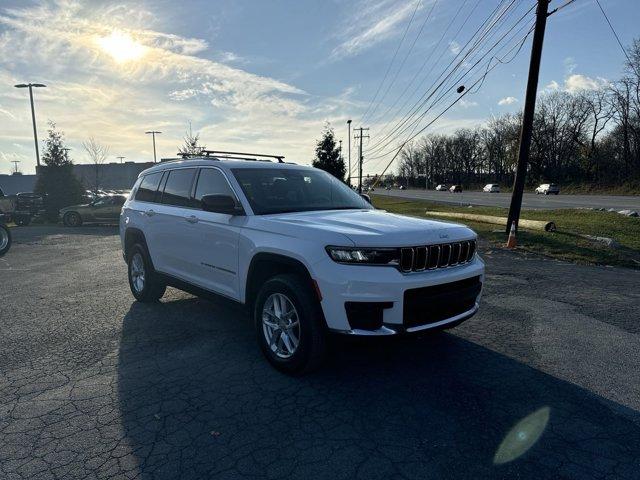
<point x="147" y="189"/>
<point x="211" y="182"/>
<point x="177" y="189"/>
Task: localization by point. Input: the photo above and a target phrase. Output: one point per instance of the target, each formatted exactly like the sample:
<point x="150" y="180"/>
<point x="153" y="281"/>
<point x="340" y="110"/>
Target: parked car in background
<point x="22" y="207"/>
<point x="105" y="209"/>
<point x="491" y="188"/>
<point x="548" y="189"/>
<point x="456" y="189"/>
<point x="401" y="187"/>
<point x="442" y="187"/>
<point x="387" y="187"/>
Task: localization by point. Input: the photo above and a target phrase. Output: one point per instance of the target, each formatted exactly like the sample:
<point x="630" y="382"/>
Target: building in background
<point x="108" y="176"/>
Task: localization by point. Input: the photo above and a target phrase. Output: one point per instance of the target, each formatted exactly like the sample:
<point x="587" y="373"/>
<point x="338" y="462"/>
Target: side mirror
<point x="221" y="204"/>
<point x="366" y="197"/>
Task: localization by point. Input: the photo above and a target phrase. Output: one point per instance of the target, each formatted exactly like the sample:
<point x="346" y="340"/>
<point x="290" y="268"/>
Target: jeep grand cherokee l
<point x="305" y="254"/>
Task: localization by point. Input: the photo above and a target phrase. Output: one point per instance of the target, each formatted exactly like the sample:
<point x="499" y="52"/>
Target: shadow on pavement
<point x="36" y="233"/>
<point x="198" y="401"/>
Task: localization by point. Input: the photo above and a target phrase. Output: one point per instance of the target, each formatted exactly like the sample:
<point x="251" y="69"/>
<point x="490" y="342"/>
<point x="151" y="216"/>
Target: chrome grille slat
<point x="431" y="257"/>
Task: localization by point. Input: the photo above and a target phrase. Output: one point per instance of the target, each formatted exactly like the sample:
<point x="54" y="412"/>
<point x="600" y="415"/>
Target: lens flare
<point x="522" y="436"/>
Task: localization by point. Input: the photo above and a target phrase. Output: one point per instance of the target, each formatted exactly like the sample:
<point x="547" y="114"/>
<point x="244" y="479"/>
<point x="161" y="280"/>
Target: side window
<point x="177" y="189"/>
<point x="147" y="189"/>
<point x="211" y="182"/>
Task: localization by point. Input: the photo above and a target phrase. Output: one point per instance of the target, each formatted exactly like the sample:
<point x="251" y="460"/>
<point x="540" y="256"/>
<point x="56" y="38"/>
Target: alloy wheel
<point x="281" y="325"/>
<point x="4" y="238"/>
<point x="137" y="272"/>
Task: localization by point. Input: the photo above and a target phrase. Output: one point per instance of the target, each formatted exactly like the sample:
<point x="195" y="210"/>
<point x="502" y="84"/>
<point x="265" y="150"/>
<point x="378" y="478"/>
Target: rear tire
<point x="5" y="239"/>
<point x="143" y="280"/>
<point x="72" y="219"/>
<point x="277" y="330"/>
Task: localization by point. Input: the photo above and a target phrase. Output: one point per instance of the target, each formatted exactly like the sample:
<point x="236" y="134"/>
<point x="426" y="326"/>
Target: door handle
<point x="191" y="219"/>
<point x="149" y="213"/>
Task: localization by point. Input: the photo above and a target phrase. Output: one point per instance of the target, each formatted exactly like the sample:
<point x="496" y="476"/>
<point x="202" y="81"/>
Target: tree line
<point x="585" y="137"/>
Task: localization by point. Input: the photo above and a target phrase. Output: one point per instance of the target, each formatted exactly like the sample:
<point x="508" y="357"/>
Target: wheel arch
<point x="265" y="265"/>
<point x="133" y="236"/>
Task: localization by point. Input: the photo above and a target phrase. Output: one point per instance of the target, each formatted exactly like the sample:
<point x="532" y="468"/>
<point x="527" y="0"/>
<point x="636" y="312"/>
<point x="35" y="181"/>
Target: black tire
<point x="311" y="348"/>
<point x="5" y="239"/>
<point x="22" y="220"/>
<point x="72" y="219"/>
<point x="152" y="288"/>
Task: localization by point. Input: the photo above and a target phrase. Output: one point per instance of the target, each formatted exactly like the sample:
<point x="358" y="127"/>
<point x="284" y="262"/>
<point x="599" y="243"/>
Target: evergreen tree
<point x="328" y="155"/>
<point x="56" y="179"/>
<point x="191" y="143"/>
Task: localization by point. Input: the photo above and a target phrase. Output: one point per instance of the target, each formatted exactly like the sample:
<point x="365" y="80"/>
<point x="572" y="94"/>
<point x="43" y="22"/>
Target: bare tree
<point x="98" y="154"/>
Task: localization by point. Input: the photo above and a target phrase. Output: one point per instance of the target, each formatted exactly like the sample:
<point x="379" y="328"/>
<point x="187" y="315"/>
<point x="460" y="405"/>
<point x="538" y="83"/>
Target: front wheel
<point x="72" y="219"/>
<point x="143" y="281"/>
<point x="5" y="239"/>
<point x="289" y="324"/>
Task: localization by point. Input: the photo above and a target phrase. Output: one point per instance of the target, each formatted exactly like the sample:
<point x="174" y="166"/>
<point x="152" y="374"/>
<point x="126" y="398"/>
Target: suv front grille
<point x="430" y="257"/>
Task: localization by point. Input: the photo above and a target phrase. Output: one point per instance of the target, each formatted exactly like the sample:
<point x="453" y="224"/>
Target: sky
<point x="267" y="76"/>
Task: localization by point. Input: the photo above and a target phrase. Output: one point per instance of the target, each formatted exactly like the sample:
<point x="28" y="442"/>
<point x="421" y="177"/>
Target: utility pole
<point x="33" y="113"/>
<point x="15" y="165"/>
<point x="527" y="116"/>
<point x="153" y="133"/>
<point x="121" y="159"/>
<point x="349" y="153"/>
<point x="360" y="157"/>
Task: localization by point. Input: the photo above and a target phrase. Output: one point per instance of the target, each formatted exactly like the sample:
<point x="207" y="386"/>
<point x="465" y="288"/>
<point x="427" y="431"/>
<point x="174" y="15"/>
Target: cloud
<point x="467" y="103"/>
<point x="569" y="65"/>
<point x="172" y="80"/>
<point x="552" y="85"/>
<point x="368" y="24"/>
<point x="576" y="82"/>
<point x="454" y="47"/>
<point x="507" y="101"/>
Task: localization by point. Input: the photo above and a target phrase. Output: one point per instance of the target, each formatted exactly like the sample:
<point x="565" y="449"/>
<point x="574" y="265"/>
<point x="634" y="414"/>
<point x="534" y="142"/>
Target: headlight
<point x="367" y="256"/>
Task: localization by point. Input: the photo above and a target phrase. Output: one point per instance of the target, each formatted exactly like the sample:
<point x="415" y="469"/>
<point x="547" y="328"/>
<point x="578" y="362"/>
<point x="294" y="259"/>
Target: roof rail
<point x="233" y="155"/>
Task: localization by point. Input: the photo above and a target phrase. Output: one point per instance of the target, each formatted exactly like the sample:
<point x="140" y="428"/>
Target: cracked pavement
<point x="95" y="385"/>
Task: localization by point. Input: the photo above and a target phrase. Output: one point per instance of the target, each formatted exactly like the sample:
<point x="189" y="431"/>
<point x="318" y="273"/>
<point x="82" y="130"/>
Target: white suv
<point x="300" y="249"/>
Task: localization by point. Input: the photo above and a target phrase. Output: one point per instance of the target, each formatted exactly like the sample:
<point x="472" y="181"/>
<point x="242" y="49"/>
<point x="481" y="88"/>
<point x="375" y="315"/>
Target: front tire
<point x="72" y="219"/>
<point x="289" y="324"/>
<point x="143" y="281"/>
<point x="5" y="239"/>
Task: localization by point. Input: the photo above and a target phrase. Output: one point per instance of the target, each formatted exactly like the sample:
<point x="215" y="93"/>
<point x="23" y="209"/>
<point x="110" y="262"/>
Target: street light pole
<point x="349" y="137"/>
<point x="33" y="114"/>
<point x="153" y="134"/>
<point x="120" y="158"/>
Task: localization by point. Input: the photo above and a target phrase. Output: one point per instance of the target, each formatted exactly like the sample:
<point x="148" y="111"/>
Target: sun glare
<point x="121" y="47"/>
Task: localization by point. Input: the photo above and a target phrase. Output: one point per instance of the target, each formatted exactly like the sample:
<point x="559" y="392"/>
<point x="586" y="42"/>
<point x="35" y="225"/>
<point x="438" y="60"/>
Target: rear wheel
<point x="5" y="239"/>
<point x="72" y="219"/>
<point x="143" y="280"/>
<point x="289" y="324"/>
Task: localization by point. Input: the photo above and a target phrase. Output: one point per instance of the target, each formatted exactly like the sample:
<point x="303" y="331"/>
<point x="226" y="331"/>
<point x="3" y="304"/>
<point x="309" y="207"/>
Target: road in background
<point x="529" y="200"/>
<point x="96" y="385"/>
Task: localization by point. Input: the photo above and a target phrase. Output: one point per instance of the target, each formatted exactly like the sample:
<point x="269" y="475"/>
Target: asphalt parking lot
<point x="543" y="383"/>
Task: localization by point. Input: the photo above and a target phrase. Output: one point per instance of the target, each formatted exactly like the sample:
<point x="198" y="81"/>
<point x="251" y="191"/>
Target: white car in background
<point x="491" y="188"/>
<point x="300" y="249"/>
<point x="548" y="189"/>
<point x="442" y="188"/>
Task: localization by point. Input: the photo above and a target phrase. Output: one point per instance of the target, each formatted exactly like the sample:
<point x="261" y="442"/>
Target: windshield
<point x="280" y="190"/>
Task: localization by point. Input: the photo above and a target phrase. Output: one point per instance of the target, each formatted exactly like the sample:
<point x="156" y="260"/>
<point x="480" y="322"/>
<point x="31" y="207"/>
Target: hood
<point x="73" y="207"/>
<point x="374" y="228"/>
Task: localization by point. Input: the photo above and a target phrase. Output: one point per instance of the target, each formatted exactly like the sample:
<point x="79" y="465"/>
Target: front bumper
<point x="360" y="283"/>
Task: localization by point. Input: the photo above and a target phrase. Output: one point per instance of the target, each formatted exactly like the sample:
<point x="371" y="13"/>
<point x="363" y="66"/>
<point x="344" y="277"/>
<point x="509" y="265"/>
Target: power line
<point x="399" y="69"/>
<point x="389" y="138"/>
<point x="422" y="101"/>
<point x="446" y="109"/>
<point x="615" y="34"/>
<point x="418" y="2"/>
